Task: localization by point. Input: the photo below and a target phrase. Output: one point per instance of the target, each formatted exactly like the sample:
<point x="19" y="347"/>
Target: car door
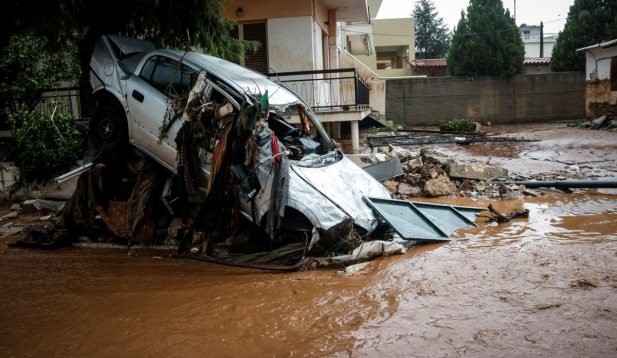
<point x="160" y="80"/>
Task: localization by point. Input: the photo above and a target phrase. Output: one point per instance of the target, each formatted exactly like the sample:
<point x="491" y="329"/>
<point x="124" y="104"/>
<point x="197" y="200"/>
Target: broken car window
<point x="167" y="76"/>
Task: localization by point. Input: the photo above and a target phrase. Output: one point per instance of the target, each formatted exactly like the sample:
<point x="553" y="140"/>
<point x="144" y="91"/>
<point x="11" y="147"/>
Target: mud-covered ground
<point x="546" y="285"/>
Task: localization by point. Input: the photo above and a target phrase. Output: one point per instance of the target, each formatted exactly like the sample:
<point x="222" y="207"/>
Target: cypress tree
<point x="589" y="22"/>
<point x="486" y="42"/>
<point x="432" y="35"/>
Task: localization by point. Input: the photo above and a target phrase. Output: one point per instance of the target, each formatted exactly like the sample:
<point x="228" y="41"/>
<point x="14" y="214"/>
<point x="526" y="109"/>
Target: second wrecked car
<point x="188" y="110"/>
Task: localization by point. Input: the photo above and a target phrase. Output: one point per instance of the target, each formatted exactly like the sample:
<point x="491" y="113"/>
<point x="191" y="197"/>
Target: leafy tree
<point x="589" y="22"/>
<point x="184" y="24"/>
<point x="486" y="42"/>
<point x="56" y="27"/>
<point x="432" y="35"/>
<point x="169" y="23"/>
<point x="28" y="68"/>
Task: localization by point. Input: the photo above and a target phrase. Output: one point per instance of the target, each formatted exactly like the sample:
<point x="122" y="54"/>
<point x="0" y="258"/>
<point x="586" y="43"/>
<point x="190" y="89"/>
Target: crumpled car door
<point x="149" y="106"/>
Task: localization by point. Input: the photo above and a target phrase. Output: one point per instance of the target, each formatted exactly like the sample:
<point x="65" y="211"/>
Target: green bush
<point x="45" y="143"/>
<point x="457" y="125"/>
<point x="29" y="66"/>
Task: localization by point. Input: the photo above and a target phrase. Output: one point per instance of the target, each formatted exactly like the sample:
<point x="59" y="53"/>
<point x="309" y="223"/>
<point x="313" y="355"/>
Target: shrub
<point x="29" y="66"/>
<point x="46" y="143"/>
<point x="457" y="125"/>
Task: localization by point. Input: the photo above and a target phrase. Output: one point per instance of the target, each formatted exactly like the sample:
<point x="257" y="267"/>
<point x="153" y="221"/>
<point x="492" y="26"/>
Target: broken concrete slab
<point x="391" y="185"/>
<point x="475" y="171"/>
<point x="413" y="178"/>
<point x="405" y="189"/>
<point x="401" y="153"/>
<point x="440" y="186"/>
<point x="433" y="156"/>
<point x="413" y="164"/>
<point x="431" y="170"/>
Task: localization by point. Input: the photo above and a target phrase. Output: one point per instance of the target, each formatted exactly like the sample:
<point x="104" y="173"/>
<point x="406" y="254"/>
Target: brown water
<point x="542" y="286"/>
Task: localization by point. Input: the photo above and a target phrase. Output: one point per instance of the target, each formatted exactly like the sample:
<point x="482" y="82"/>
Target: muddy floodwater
<point x="544" y="285"/>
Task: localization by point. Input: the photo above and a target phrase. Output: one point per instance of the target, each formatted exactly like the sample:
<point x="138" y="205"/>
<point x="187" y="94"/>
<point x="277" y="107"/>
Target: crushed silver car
<point x="288" y="175"/>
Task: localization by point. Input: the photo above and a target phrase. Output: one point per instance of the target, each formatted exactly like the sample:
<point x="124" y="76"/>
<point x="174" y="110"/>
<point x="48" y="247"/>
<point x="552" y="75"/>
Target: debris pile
<point x="602" y="122"/>
<point x="429" y="173"/>
<point x="39" y="230"/>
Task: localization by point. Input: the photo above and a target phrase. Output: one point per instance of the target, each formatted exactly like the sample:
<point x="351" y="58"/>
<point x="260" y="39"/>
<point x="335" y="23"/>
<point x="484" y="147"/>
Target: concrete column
<point x="335" y="130"/>
<point x="355" y="137"/>
<point x="333" y="55"/>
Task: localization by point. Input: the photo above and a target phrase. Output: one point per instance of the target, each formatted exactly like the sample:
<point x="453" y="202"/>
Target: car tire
<point x="109" y="129"/>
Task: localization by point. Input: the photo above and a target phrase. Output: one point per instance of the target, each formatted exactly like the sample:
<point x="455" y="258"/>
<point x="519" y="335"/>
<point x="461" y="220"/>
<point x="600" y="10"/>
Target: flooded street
<point x="546" y="285"/>
<point x="543" y="286"/>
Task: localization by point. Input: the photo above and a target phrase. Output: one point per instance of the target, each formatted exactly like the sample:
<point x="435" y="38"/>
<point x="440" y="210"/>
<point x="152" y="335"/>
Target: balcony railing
<point x="327" y="90"/>
<point x="66" y="99"/>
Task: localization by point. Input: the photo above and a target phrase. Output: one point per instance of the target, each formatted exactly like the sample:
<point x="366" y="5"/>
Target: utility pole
<point x="541" y="39"/>
<point x="514" y="12"/>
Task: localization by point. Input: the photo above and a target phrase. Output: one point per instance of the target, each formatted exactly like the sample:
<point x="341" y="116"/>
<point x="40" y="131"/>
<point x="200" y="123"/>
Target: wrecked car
<point x="245" y="128"/>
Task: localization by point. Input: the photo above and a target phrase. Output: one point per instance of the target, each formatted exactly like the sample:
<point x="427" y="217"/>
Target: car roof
<point x="241" y="78"/>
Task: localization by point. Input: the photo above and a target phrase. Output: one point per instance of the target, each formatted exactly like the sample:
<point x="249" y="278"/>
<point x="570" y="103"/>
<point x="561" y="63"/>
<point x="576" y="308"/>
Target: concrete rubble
<point x="602" y="122"/>
<point x="429" y="173"/>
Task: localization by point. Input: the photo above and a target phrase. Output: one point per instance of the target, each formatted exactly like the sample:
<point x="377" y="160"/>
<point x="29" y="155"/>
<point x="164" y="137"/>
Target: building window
<point x="526" y="34"/>
<point x="391" y="57"/>
<point x="614" y="74"/>
<point x="257" y="60"/>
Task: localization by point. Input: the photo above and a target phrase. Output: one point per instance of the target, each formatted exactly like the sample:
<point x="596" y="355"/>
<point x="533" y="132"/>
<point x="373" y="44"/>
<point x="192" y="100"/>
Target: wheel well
<point x="108" y="125"/>
<point x="105" y="98"/>
<point x="296" y="220"/>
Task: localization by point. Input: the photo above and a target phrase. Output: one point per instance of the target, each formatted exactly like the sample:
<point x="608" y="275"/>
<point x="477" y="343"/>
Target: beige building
<point x="298" y="35"/>
<point x="329" y="51"/>
<point x="386" y="46"/>
<point x="299" y="48"/>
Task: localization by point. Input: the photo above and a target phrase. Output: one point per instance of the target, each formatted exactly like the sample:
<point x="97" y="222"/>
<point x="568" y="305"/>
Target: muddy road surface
<point x="546" y="285"/>
<point x="556" y="147"/>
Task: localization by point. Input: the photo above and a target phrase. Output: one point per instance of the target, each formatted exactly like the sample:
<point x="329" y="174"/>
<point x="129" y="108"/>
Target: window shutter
<point x="257" y="60"/>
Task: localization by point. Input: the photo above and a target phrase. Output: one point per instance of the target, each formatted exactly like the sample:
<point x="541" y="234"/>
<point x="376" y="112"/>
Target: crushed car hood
<point x="334" y="182"/>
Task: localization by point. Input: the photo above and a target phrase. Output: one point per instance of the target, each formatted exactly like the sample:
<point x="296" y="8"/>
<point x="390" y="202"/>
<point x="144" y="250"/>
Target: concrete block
<point x="440" y="186"/>
<point x="475" y="171"/>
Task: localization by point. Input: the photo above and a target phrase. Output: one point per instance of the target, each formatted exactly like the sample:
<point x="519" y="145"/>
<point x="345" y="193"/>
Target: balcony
<point x="327" y="91"/>
<point x="336" y="95"/>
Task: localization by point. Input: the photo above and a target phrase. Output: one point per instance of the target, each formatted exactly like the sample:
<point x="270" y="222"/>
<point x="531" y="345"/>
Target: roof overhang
<point x="605" y="44"/>
<point x="349" y="10"/>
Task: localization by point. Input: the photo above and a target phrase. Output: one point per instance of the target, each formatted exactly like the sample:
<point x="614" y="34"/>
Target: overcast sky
<point x="552" y="12"/>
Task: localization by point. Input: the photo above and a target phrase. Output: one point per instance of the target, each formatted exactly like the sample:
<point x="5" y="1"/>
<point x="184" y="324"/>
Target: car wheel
<point x="108" y="129"/>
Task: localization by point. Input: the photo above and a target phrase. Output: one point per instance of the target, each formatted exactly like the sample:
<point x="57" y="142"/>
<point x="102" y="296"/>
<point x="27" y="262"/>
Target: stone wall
<point x="522" y="98"/>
